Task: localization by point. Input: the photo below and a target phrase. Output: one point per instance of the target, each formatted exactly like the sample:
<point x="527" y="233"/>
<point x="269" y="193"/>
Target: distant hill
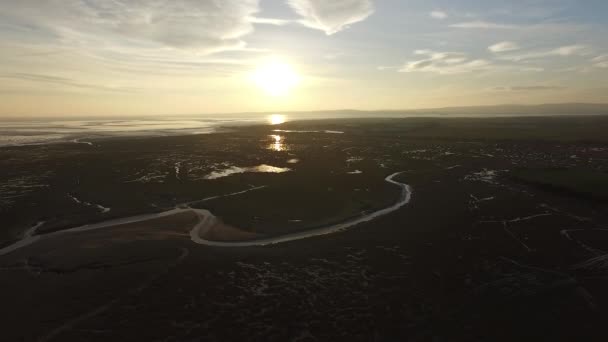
<point x="544" y="109"/>
<point x="498" y="110"/>
<point x="476" y="111"/>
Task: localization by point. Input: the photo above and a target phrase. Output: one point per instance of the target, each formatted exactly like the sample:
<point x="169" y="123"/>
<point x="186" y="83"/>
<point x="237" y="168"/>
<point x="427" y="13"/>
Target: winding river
<point x="207" y="220"/>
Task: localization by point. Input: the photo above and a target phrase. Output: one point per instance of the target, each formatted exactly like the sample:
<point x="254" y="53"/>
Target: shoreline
<point x="91" y="131"/>
<point x="85" y="136"/>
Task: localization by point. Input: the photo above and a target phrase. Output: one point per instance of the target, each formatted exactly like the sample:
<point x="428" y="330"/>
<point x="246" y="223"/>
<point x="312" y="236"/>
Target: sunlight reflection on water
<point x="278" y="143"/>
<point x="256" y="169"/>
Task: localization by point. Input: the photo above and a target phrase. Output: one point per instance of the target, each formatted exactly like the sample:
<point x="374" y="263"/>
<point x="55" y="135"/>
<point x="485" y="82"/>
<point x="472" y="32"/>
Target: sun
<point x="276" y="78"/>
<point x="277" y="119"/>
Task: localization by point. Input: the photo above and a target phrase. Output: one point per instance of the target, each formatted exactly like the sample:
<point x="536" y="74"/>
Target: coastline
<point x="89" y="131"/>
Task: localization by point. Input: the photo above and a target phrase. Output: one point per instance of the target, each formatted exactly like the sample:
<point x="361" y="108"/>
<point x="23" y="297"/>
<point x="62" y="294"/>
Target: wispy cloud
<point x="445" y="63"/>
<point x="562" y="51"/>
<point x="203" y="26"/>
<point x="600" y="61"/>
<point x="269" y="21"/>
<point x="63" y="81"/>
<point x="570" y="50"/>
<point x="332" y="16"/>
<point x="438" y="15"/>
<point x="528" y="88"/>
<point x="480" y="24"/>
<point x="504" y="47"/>
<point x="539" y="28"/>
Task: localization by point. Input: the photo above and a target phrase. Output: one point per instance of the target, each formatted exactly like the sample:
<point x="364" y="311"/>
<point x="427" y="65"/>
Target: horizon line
<point x="404" y="110"/>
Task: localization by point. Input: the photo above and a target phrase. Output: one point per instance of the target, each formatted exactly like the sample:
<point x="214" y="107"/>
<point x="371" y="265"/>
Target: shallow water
<point x="37" y="132"/>
<point x="302" y="131"/>
<point x="49" y="131"/>
<point x="277" y="144"/>
<point x="236" y="170"/>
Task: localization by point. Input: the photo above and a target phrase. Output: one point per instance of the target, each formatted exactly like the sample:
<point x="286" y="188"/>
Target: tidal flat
<point x="504" y="237"/>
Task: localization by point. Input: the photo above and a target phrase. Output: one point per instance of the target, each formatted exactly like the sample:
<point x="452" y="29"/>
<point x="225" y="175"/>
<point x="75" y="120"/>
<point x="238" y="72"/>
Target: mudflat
<point x="483" y="250"/>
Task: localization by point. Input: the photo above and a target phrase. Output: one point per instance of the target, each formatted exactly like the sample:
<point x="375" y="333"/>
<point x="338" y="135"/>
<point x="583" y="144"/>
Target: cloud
<point x="332" y="16"/>
<point x="445" y="63"/>
<point x="562" y="51"/>
<point x="480" y="24"/>
<point x="438" y="15"/>
<point x="600" y="61"/>
<point x="569" y="50"/>
<point x="539" y="28"/>
<point x="63" y="81"/>
<point x="269" y="21"/>
<point x="450" y="63"/>
<point x="203" y="26"/>
<point x="387" y="67"/>
<point x="504" y="47"/>
<point x="528" y="88"/>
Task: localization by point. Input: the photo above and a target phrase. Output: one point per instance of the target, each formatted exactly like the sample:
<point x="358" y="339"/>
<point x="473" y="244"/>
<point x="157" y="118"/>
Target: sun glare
<point x="276" y="78"/>
<point x="277" y="119"/>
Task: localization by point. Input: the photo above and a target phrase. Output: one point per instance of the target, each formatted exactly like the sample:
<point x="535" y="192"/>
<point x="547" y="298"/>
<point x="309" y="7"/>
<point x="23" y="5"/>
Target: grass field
<point x="575" y="182"/>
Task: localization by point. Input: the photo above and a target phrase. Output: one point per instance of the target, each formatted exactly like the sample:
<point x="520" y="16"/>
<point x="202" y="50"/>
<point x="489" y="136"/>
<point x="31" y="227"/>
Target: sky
<point x="173" y="57"/>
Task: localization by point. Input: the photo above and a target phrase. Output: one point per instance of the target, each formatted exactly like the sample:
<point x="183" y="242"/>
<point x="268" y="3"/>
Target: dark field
<point x="505" y="238"/>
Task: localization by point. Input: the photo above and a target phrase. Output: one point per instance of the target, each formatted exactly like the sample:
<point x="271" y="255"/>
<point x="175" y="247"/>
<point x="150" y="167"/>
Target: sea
<point x="15" y="132"/>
